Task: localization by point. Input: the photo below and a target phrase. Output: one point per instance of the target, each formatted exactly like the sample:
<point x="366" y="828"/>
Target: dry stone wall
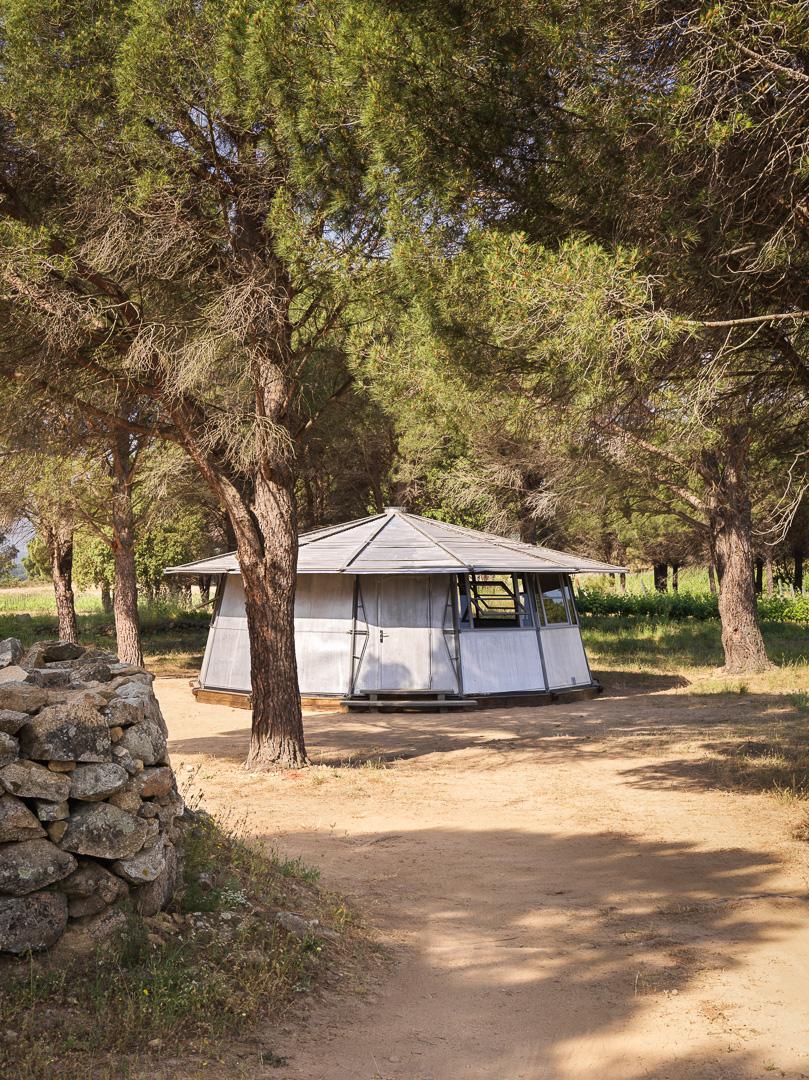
<point x="89" y="805"/>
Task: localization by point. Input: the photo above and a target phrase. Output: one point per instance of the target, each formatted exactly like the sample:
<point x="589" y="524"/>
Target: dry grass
<point x="767" y="748"/>
<point x="181" y="986"/>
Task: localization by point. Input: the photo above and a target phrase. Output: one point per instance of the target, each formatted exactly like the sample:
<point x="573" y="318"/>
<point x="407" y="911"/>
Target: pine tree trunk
<point x="769" y="576"/>
<point x="711" y="579"/>
<point x="675" y="577"/>
<point x="622" y="580"/>
<point x="660" y="572"/>
<point x="379" y="498"/>
<point x="260" y="500"/>
<point x="269" y="579"/>
<point x="59" y="540"/>
<point x="758" y="576"/>
<point x="798" y="556"/>
<point x="125" y="601"/>
<point x="730" y="523"/>
<point x="204" y="586"/>
<point x="106" y="597"/>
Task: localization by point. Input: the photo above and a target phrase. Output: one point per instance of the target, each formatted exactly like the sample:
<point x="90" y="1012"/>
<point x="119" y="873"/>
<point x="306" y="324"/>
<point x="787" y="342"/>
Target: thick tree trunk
<point x="675" y="577"/>
<point x="661" y="572"/>
<point x="260" y="498"/>
<point x="730" y="523"/>
<point x="125" y="601"/>
<point x="798" y="556"/>
<point x="269" y="577"/>
<point x="769" y="576"/>
<point x="106" y="597"/>
<point x="59" y="541"/>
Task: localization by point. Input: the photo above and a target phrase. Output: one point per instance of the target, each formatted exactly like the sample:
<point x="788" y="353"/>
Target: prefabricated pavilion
<point x="403" y="609"/>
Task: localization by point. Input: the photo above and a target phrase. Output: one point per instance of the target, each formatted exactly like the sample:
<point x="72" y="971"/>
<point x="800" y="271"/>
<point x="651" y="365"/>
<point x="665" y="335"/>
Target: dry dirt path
<point x="565" y="893"/>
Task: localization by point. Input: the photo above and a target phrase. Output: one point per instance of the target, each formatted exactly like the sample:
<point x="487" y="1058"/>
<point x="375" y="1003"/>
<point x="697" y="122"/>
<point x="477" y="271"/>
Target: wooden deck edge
<point x="540" y="697"/>
<point x="238" y="699"/>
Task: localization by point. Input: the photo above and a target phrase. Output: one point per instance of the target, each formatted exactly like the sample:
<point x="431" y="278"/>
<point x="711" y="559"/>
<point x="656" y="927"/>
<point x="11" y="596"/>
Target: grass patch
<point x="657" y="646"/>
<point x="173" y="636"/>
<point x="40" y="600"/>
<point x="216" y="967"/>
<point x="777" y="763"/>
<point x="765" y="747"/>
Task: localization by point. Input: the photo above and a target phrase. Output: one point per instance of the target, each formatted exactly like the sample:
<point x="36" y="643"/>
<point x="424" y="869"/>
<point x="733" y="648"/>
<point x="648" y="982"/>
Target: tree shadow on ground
<point x="586" y="939"/>
<point x="622" y="683"/>
<point x="642" y="725"/>
<point x="596" y="942"/>
<point x="757" y="754"/>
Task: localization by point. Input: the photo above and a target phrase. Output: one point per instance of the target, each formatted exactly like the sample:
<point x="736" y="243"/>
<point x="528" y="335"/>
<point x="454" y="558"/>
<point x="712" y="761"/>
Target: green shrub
<point x="676" y="606"/>
<point x="682" y="606"/>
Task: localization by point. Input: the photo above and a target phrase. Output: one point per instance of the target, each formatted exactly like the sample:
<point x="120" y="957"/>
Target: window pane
<point x="493" y="601"/>
<point x="552" y="598"/>
<point x="571" y="606"/>
<point x="523" y="603"/>
<point x="463" y="603"/>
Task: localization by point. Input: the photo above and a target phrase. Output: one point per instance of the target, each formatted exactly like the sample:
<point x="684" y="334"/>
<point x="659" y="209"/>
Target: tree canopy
<point x="537" y="267"/>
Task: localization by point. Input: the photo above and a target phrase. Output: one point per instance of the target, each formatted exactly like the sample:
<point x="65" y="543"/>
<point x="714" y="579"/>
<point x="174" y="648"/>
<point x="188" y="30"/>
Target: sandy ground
<point x="564" y="891"/>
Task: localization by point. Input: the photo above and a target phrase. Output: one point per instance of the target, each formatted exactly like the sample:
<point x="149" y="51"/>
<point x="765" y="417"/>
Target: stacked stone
<point x="88" y="800"/>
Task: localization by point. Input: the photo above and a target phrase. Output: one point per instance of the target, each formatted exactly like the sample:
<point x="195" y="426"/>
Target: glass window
<point x="553" y="598"/>
<point x="463" y="604"/>
<point x="523" y="602"/>
<point x="494" y="601"/>
<point x="571" y="604"/>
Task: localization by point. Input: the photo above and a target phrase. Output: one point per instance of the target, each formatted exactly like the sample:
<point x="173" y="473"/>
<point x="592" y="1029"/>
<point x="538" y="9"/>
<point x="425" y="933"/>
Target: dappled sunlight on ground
<point x="566" y="891"/>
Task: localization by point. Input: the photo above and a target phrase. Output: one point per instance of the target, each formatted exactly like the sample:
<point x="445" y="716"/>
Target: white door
<point x="397" y="655"/>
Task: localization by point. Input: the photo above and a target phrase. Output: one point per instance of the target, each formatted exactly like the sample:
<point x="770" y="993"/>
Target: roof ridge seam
<point x="433" y="540"/>
<point x="332" y="530"/>
<point x="385" y="519"/>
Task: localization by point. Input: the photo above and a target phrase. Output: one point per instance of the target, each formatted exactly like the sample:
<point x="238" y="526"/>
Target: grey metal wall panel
<point x="323" y="619"/>
<point x="324" y="662"/>
<point x="232" y="603"/>
<point x="564" y="657"/>
<point x="229" y="663"/>
<point x="442" y="671"/>
<point x="501" y="661"/>
<point x="228" y="651"/>
<point x="325" y="602"/>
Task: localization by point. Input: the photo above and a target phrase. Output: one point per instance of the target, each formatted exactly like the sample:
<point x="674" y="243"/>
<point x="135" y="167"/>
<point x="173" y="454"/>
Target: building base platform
<point x="238" y="699"/>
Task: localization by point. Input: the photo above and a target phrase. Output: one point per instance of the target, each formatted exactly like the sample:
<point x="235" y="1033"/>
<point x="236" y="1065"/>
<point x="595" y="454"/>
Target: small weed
<point x="801" y="830"/>
<point x="273" y="1061"/>
<point x="799" y="700"/>
<point x="295" y="868"/>
<point x="720" y="686"/>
